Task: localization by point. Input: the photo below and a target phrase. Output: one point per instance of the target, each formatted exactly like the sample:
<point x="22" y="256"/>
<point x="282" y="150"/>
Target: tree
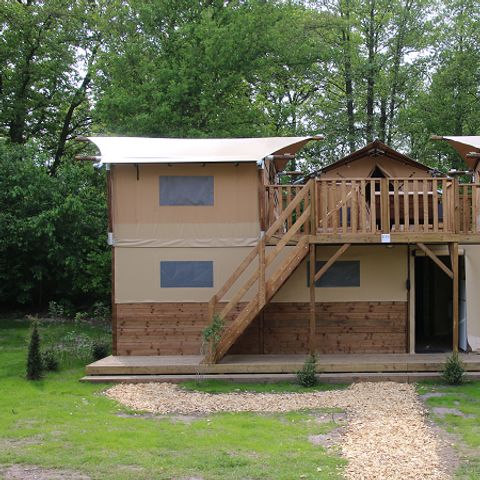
<point x="34" y="359"/>
<point x="47" y="50"/>
<point x="52" y="230"/>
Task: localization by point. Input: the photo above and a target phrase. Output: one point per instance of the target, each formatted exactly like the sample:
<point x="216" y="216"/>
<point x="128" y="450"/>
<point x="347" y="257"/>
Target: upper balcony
<point x="380" y="210"/>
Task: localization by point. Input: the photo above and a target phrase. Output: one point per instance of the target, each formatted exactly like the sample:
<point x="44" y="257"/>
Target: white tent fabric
<point x="189" y="150"/>
<point x="465" y="145"/>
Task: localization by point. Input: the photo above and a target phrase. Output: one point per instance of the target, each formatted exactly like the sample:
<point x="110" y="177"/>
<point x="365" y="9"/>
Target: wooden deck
<point x="357" y="364"/>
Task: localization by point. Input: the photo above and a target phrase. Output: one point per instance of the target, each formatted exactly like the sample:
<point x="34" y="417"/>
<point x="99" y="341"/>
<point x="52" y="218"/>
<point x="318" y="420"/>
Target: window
<point x="341" y="274"/>
<point x="186" y="274"/>
<point x="186" y="190"/>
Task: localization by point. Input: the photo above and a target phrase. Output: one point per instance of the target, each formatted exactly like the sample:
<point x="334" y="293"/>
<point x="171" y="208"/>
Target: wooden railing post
<point x="456" y="206"/>
<point x="261" y="276"/>
<point x="313" y="209"/>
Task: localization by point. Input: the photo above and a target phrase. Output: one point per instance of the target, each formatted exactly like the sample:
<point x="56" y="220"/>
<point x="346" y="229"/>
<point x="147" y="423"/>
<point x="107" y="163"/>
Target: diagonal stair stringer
<point x="278" y="278"/>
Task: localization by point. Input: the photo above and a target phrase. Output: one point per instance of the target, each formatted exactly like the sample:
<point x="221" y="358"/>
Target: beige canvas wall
<point x="383" y="272"/>
<point x="383" y="275"/>
<point x="363" y="167"/>
<point x="139" y="220"/>
<point x="472" y="274"/>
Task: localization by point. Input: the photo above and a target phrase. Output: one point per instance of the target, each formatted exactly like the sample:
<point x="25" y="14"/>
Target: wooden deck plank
<point x="334" y="363"/>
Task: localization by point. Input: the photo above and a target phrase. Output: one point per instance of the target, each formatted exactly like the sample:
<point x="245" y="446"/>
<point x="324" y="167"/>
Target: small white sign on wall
<point x="385" y="238"/>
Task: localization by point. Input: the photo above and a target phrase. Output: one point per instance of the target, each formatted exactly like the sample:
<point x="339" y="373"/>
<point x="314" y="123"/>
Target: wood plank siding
<point x="282" y="328"/>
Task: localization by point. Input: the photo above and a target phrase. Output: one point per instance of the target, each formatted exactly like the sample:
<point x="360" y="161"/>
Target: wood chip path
<point x="387" y="436"/>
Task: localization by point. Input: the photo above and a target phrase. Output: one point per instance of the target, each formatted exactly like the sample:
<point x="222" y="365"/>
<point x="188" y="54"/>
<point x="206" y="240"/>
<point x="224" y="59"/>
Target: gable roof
<point x="196" y="150"/>
<point x="465" y="145"/>
<point x="372" y="149"/>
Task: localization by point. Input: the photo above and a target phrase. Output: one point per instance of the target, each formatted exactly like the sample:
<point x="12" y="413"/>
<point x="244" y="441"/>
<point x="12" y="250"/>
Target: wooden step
<point x="331" y="378"/>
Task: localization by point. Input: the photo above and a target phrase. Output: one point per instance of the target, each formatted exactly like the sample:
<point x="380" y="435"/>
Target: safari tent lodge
<point x="372" y="262"/>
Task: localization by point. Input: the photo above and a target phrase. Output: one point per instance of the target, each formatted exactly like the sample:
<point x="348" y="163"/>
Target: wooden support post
<point x="312" y="333"/>
<point x="110" y="234"/>
<point x="454" y="259"/>
<point x="261" y="276"/>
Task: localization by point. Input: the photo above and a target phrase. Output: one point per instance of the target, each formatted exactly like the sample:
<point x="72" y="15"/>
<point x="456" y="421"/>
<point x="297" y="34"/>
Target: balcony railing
<point x="379" y="205"/>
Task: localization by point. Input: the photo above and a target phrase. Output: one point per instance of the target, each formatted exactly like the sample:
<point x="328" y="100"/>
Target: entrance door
<point x="462" y="308"/>
<point x="433" y="307"/>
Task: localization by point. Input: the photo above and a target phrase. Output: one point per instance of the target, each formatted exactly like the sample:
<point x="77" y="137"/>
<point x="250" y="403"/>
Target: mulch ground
<point x="387" y="434"/>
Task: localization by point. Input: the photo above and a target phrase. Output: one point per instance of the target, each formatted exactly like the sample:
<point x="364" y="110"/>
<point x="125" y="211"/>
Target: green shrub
<point x="34" y="359"/>
<point x="454" y="370"/>
<point x="100" y="350"/>
<point x="101" y="311"/>
<point x="212" y="333"/>
<point x="307" y="375"/>
<point x="50" y="361"/>
<point x="80" y="317"/>
<point x="55" y="310"/>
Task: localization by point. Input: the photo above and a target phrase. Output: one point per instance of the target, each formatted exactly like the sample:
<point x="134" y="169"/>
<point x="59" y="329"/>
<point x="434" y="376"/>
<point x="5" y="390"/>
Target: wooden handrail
<point x="263" y="260"/>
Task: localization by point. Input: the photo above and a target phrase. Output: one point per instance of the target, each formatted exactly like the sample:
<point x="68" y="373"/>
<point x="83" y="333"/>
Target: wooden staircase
<point x="267" y="278"/>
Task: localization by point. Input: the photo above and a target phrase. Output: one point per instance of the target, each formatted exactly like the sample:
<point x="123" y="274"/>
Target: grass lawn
<point x="462" y="419"/>
<point x="59" y="422"/>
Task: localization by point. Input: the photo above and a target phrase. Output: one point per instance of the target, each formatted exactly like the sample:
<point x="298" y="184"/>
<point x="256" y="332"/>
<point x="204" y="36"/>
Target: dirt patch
<point x="448" y="447"/>
<point x="32" y="472"/>
<point x="442" y="411"/>
<point x="428" y="395"/>
<point x="21" y="442"/>
<point x="329" y="440"/>
<point x="152" y="416"/>
<point x="387" y="435"/>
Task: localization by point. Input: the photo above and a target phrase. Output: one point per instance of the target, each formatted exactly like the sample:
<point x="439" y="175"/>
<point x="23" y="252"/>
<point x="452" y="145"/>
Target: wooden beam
<point x="330" y="262"/>
<point x="436" y="260"/>
<point x="454" y="257"/>
<point x="312" y="332"/>
<point x="81" y="138"/>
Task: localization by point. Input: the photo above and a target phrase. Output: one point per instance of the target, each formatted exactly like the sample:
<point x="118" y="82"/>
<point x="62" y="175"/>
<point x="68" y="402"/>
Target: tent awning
<point x="196" y="150"/>
<point x="465" y="145"/>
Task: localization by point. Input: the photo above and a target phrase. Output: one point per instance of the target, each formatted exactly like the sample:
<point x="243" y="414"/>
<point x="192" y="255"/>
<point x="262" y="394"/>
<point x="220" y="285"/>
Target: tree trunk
<point x="370" y="72"/>
<point x="347" y="74"/>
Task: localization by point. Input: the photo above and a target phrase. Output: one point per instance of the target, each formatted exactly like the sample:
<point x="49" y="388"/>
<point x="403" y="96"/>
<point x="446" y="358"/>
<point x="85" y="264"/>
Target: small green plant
<point x="454" y="370"/>
<point x="34" y="359"/>
<point x="211" y="335"/>
<point x="101" y="311"/>
<point x="50" y="361"/>
<point x="307" y="375"/>
<point x="100" y="350"/>
<point x="80" y="317"/>
<point x="56" y="310"/>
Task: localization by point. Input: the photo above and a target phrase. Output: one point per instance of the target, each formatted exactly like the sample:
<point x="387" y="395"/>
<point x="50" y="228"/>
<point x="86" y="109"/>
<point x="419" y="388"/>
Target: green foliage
<point x="100" y="349"/>
<point x="50" y="361"/>
<point x="34" y="358"/>
<point x="55" y="310"/>
<point x="212" y="333"/>
<point x="454" y="370"/>
<point x="307" y="375"/>
<point x="52" y="232"/>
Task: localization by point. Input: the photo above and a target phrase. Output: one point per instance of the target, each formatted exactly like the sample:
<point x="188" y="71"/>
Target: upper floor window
<point x="186" y="190"/>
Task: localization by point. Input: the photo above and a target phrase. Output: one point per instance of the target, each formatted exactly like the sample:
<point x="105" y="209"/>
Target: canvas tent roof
<point x="196" y="150"/>
<point x="465" y="145"/>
